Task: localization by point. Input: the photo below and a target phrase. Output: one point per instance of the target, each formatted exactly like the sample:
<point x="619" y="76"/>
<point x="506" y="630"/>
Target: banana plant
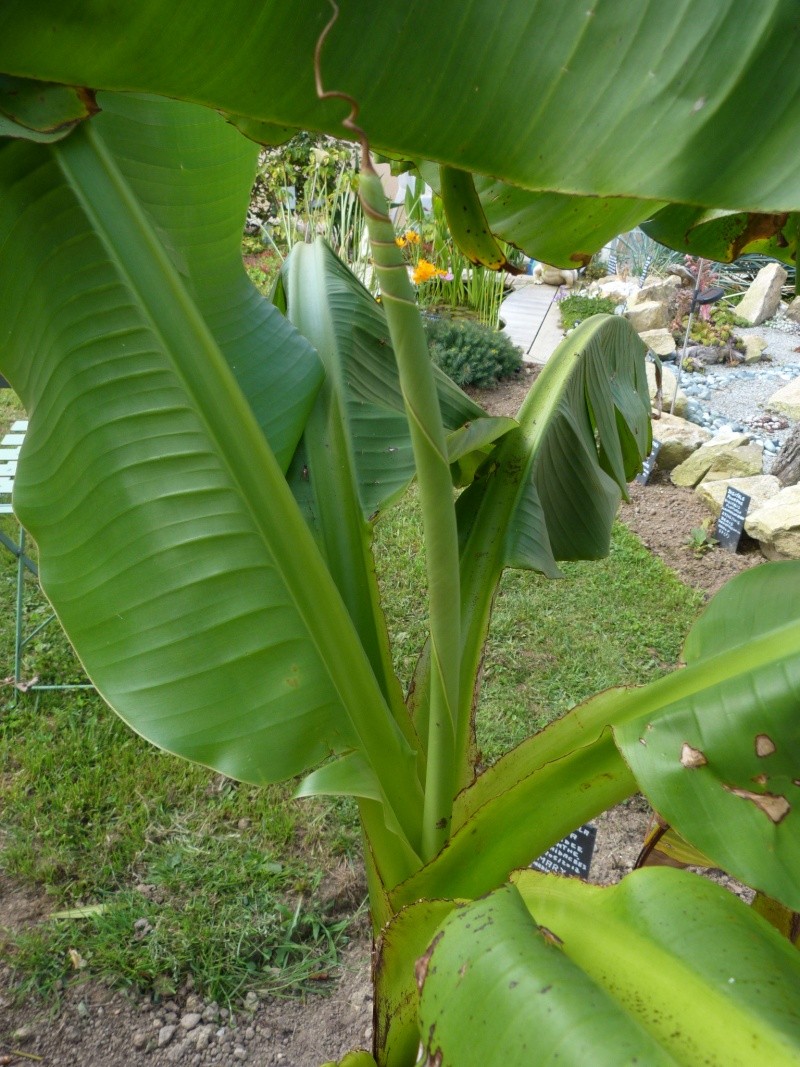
<point x="203" y="472"/>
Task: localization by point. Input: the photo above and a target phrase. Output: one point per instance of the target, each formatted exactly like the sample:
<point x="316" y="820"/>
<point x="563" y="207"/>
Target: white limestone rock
<point x="743" y="462"/>
<point x="776" y="525"/>
<point x="679" y="438"/>
<point x="753" y="348"/>
<point x="709" y="457"/>
<point x="659" y="341"/>
<point x="763" y="298"/>
<point x="650" y="315"/>
<point x="760" y="488"/>
<point x="787" y="400"/>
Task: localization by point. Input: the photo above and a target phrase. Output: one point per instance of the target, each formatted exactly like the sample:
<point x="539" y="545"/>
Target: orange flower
<point x="412" y="237"/>
<point x="424" y="271"/>
<point x="401" y="242"/>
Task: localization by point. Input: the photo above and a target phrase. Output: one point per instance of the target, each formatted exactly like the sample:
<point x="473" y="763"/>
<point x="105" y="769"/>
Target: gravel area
<point x="737" y="396"/>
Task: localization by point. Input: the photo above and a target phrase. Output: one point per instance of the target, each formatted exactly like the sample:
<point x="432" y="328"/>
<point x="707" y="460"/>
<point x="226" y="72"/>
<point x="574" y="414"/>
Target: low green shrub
<point x="576" y="308"/>
<point x="469" y="353"/>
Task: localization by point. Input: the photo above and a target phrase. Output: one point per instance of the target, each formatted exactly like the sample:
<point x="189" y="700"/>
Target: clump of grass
<point x="197" y="875"/>
<point x="576" y="308"/>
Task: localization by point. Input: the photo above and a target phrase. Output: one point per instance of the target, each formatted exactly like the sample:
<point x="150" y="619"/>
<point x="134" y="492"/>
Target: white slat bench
<point x="10" y="447"/>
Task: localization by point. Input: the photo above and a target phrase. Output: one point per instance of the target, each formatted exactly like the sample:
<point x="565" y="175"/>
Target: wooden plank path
<point x="532" y="321"/>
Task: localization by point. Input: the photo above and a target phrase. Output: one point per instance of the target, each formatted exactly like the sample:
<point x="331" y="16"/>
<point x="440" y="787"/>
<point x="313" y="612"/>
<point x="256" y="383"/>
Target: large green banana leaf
<point x="156" y="380"/>
<point x="682" y="956"/>
<point x="694" y="102"/>
<point x="658" y="970"/>
<point x="724" y="236"/>
<point x="552" y="227"/>
<point x="494" y="991"/>
<point x="722" y="765"/>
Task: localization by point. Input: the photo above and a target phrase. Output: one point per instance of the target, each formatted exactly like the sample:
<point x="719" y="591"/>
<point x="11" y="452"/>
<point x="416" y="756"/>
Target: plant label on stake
<point x="649" y="464"/>
<point x="731" y="519"/>
<point x="571" y="855"/>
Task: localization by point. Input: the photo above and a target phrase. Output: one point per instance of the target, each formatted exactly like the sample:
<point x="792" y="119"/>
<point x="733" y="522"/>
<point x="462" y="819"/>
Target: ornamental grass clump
<point x="470" y="353"/>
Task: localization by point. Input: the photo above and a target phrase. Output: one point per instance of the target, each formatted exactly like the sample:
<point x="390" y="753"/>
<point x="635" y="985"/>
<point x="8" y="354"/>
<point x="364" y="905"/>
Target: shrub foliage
<point x="469" y="353"/>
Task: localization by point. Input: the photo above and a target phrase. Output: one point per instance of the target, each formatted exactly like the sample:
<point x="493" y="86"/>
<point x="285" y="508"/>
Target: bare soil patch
<point x="94" y="1026"/>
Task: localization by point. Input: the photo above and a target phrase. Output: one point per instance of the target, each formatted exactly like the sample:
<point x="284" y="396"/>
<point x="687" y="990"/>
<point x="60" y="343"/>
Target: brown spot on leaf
<point x="758" y="227"/>
<point x="765" y="746"/>
<point x="550" y="937"/>
<point x="422" y="964"/>
<point x="774" y="806"/>
<point x="692" y="757"/>
<point x="761" y="779"/>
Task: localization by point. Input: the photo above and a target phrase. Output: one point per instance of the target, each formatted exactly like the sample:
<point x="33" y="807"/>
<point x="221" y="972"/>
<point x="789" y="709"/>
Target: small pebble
<point x="165" y="1034"/>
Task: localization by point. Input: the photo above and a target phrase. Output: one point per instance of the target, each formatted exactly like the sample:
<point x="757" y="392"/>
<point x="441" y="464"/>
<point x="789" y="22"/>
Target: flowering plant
<point x="442" y="274"/>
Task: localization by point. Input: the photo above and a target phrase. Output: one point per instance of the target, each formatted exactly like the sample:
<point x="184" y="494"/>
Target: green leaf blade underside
<point x="169" y="543"/>
<point x="557" y="228"/>
<point x="682" y="956"/>
<point x="720" y="763"/>
<point x="40" y="112"/>
<point x="724" y="236"/>
<point x="361" y="362"/>
<point x="328" y="306"/>
<point x="700" y="79"/>
<point x="496" y="992"/>
<point x="136" y="520"/>
<point x="197" y="198"/>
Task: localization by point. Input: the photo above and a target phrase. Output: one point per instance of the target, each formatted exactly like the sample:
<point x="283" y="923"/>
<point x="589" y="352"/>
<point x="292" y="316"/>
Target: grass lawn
<point x="243" y="888"/>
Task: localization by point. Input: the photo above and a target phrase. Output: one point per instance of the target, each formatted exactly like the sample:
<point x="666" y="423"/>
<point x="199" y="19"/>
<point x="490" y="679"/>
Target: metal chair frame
<point x="10" y="447"/>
